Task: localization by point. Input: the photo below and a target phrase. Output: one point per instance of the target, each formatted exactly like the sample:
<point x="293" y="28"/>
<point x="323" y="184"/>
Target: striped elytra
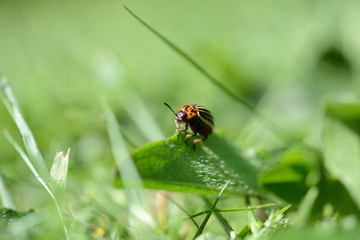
<point x="198" y="117"/>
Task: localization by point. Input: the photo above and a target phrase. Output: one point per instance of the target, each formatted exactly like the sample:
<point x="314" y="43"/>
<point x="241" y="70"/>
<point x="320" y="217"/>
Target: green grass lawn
<point x="280" y="78"/>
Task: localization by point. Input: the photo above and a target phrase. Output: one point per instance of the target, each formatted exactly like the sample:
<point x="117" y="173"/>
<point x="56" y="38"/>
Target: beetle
<point x="198" y="117"/>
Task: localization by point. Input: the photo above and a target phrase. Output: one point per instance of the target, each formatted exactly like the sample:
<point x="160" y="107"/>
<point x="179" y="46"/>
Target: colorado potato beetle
<point x="198" y="117"/>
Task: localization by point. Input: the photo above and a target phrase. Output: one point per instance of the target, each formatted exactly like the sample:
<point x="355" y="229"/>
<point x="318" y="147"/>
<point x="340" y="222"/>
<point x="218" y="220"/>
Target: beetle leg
<point x="185" y="129"/>
<point x="200" y="140"/>
<point x="189" y="136"/>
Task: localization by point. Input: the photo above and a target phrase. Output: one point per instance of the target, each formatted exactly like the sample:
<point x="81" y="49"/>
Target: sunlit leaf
<point x="173" y="165"/>
<point x="342" y="146"/>
<point x="347" y="113"/>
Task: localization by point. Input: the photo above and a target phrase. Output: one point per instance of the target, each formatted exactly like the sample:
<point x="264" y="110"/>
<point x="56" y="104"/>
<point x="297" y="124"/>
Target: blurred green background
<point x="62" y="58"/>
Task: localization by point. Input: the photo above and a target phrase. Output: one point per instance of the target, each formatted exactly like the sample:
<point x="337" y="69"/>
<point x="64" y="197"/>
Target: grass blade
<point x="38" y="177"/>
<point x="8" y="98"/>
<point x="225" y="225"/>
<point x="122" y="157"/>
<point x="149" y="127"/>
<point x="303" y="213"/>
<point x="33" y="159"/>
<point x="207" y="217"/>
<point x="140" y="216"/>
<point x="182" y="209"/>
<point x="6" y="198"/>
<point x="212" y="79"/>
<point x="203" y="224"/>
<point x="192" y="62"/>
<point x="234" y="209"/>
<point x="223" y="222"/>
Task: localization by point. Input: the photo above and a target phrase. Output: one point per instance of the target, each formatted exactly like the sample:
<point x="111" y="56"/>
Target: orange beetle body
<point x="197" y="117"/>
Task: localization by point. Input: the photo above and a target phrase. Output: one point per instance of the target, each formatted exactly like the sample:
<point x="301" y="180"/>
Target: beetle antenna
<point x="170" y="108"/>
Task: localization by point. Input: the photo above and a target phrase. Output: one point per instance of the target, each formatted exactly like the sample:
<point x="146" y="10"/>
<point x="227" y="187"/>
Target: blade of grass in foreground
<point x="182" y="209"/>
<point x="127" y="169"/>
<point x="223" y="222"/>
<point x="207" y="217"/>
<point x="141" y="220"/>
<point x="38" y="177"/>
<point x="33" y="159"/>
<point x="192" y="62"/>
<point x="214" y="80"/>
<point x="149" y="127"/>
<point x="10" y="102"/>
<point x="234" y="209"/>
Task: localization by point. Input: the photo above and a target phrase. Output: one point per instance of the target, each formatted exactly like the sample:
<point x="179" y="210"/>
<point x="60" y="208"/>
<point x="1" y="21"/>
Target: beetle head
<point x="181" y="116"/>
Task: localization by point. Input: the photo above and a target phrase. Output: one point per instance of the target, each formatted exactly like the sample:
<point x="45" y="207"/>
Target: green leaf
<point x="341" y="202"/>
<point x="8" y="215"/>
<point x="341" y="145"/>
<point x="347" y="113"/>
<point x="296" y="169"/>
<point x="173" y="165"/>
